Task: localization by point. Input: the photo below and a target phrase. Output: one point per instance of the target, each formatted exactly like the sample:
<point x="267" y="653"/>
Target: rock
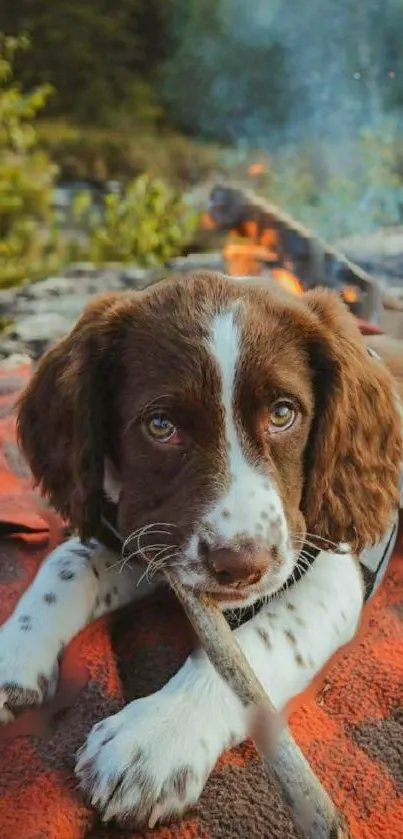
<point x="46" y="310"/>
<point x="8" y="348"/>
<point x="111" y="277"/>
<point x="15" y="360"/>
<point x="198" y="261"/>
<point x="80" y="269"/>
<point x="47" y="326"/>
<point x="52" y="287"/>
<point x="133" y="277"/>
<point x="380" y="244"/>
<point x="69" y="306"/>
<point x="380" y="253"/>
<point x="7" y="298"/>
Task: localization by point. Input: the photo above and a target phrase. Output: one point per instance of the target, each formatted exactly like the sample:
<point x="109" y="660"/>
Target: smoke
<point x="280" y="69"/>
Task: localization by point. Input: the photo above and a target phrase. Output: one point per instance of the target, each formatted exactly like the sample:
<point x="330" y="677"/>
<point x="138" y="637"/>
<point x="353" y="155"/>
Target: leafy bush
<point x="27" y="242"/>
<point x="147" y="224"/>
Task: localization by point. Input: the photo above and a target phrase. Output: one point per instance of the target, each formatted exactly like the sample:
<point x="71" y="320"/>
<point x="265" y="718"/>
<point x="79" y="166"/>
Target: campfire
<point x="263" y="241"/>
<point x="248" y="259"/>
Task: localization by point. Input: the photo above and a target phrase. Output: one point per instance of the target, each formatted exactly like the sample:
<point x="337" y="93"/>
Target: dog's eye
<point x="162" y="429"/>
<point x="282" y="415"/>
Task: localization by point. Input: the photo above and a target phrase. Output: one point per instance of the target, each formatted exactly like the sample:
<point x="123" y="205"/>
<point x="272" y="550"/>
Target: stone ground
<point x="45" y="311"/>
<point x="380" y="253"/>
<point x="41" y="312"/>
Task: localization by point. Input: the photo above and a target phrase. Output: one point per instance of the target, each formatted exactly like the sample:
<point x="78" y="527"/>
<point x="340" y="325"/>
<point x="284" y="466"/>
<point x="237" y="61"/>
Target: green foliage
<point x="98" y="56"/>
<point x="26" y="177"/>
<point x="146" y="225"/>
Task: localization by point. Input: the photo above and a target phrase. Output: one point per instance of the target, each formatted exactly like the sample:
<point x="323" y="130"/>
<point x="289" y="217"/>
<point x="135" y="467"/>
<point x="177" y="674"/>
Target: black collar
<point x="236" y="617"/>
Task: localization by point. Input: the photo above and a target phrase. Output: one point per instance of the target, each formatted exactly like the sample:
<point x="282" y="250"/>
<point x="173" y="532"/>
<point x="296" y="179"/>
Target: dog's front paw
<point x="146" y="764"/>
<point x="28" y="674"/>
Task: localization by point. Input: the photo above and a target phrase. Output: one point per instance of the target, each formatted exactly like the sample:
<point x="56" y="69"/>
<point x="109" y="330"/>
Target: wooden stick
<point x="314" y="813"/>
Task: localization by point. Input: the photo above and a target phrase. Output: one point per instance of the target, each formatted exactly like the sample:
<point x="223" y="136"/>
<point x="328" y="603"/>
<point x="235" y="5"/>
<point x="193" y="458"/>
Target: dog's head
<point x="225" y="421"/>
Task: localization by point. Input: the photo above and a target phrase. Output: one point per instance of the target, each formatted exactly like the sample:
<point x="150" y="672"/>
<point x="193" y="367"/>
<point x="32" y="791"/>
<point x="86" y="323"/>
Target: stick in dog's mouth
<point x="314" y="813"/>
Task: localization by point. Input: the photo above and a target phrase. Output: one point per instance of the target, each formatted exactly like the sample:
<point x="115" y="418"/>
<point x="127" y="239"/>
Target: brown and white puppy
<point x="226" y="423"/>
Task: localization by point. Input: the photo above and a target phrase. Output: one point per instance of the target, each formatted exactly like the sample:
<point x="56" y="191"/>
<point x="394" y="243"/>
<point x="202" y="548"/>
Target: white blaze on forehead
<point x="226" y="349"/>
<point x="251" y="506"/>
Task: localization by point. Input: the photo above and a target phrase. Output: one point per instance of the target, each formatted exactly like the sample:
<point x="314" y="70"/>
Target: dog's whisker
<point x="149" y="548"/>
<point x="155" y="565"/>
<point x="304" y="565"/>
<point x="153" y="528"/>
<point x="150" y="572"/>
<point x="124" y="560"/>
<point x="304" y="558"/>
<point x="146" y="528"/>
<point x="150" y="524"/>
<point x="304" y="537"/>
<point x="145" y="556"/>
<point x="167" y="561"/>
<point x="175" y="552"/>
<point x="308" y="542"/>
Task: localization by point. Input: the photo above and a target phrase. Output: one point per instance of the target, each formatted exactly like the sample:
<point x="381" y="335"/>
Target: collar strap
<point x="237" y="617"/>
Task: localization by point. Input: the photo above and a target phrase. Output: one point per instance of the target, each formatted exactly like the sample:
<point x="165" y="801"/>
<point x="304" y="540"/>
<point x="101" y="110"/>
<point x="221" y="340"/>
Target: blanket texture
<point x="351" y="732"/>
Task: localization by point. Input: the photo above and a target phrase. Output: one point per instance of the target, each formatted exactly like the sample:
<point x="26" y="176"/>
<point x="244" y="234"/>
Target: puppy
<point x="247" y="441"/>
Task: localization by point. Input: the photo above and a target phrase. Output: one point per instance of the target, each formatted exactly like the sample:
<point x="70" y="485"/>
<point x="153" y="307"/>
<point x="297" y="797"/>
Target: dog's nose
<point x="237" y="568"/>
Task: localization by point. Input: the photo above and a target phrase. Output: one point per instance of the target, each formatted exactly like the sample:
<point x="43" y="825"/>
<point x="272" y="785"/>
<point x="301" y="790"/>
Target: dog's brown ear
<point x="355" y="450"/>
<point x="65" y="415"/>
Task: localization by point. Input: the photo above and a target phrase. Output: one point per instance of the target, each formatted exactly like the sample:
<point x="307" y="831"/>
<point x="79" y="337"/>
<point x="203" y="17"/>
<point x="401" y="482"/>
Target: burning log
<point x="313" y="812"/>
<point x="296" y="257"/>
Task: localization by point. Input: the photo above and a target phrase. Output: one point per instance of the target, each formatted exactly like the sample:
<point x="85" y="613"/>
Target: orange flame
<point x="287" y="280"/>
<point x="350" y="294"/>
<point x="245" y="256"/>
<point x="207" y="222"/>
<point x="257" y="169"/>
<point x="245" y="259"/>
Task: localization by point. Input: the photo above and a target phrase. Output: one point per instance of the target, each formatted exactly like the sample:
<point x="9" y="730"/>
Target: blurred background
<point x="116" y="119"/>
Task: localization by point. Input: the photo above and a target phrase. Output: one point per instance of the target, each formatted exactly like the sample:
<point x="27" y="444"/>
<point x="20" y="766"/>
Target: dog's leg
<point x="74" y="584"/>
<point x="151" y="760"/>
